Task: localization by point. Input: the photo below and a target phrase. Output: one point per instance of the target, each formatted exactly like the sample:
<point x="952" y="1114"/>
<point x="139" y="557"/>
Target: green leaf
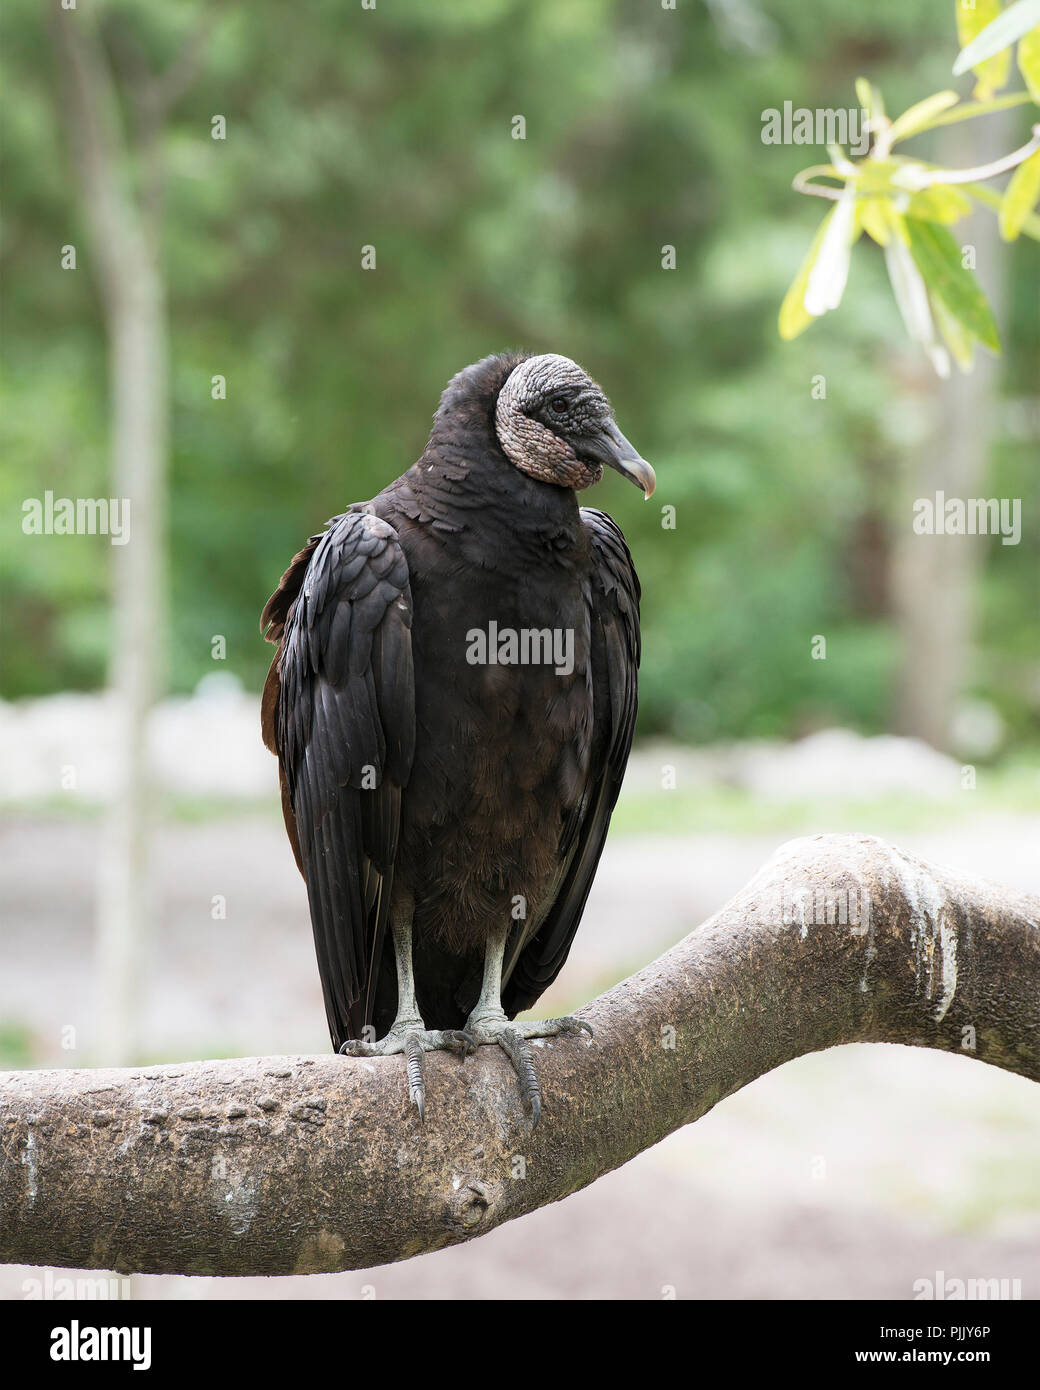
<point x="874" y="215"/>
<point x="992" y="199"/>
<point x="1020" y="197"/>
<point x="1029" y="61"/>
<point x="911" y="296"/>
<point x="972" y="18"/>
<point x="940" y="203"/>
<point x="794" y="318"/>
<point x="971" y="109"/>
<point x="829" y="275"/>
<point x="870" y="99"/>
<point x="984" y="36"/>
<point x="938" y="257"/>
<point x="919" y="116"/>
<point x="955" y="335"/>
<point x="876" y="175"/>
<point x="834" y="237"/>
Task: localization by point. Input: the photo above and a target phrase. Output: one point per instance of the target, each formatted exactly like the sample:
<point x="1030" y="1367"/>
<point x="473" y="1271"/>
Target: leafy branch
<point x="907" y="206"/>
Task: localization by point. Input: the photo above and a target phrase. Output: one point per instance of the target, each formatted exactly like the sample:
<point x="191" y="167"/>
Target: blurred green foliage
<point x="350" y="127"/>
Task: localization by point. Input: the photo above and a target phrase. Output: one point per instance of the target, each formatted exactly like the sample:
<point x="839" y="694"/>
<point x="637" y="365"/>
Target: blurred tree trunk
<point x="934" y="578"/>
<point x="123" y="225"/>
<point x="125" y="260"/>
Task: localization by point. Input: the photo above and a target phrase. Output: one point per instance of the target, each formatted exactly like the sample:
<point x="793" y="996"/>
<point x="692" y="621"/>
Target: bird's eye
<point x="558" y="404"/>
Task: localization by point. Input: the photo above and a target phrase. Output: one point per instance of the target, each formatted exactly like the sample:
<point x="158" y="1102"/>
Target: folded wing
<point x="339" y="710"/>
<point x="614" y="602"/>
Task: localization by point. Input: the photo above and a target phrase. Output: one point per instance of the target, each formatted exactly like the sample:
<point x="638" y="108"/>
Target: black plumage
<point x="459" y="803"/>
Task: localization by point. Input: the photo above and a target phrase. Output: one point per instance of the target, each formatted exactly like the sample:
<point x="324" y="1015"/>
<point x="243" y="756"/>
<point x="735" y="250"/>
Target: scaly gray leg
<point x="488" y="1024"/>
<point x="408" y="1033"/>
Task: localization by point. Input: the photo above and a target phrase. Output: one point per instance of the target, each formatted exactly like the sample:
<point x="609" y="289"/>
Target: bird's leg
<point x="488" y="1024"/>
<point x="408" y="1033"/>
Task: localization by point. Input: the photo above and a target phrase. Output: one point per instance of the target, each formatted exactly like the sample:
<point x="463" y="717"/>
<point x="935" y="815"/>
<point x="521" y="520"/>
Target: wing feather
<point x="339" y="710"/>
<point x="615" y="664"/>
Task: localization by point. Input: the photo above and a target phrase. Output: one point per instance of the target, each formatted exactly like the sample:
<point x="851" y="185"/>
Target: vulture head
<point x="555" y="424"/>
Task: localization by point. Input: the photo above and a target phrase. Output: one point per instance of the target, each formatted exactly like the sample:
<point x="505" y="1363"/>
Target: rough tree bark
<point x="304" y="1164"/>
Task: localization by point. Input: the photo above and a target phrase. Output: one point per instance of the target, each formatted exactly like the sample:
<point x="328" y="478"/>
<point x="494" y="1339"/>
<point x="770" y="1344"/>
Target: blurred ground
<point x="848" y="1174"/>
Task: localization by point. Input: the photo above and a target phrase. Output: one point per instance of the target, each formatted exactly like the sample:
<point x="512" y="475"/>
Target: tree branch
<point x="304" y="1164"/>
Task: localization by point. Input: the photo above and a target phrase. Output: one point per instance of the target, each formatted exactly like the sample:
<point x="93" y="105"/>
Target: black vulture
<point x="452" y="704"/>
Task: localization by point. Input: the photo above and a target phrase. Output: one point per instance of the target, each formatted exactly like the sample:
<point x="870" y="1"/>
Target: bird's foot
<point x="413" y="1038"/>
<point x="512" y="1038"/>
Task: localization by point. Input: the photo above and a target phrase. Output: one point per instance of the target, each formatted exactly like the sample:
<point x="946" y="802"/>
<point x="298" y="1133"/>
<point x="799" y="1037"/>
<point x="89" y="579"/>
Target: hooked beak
<point x="610" y="446"/>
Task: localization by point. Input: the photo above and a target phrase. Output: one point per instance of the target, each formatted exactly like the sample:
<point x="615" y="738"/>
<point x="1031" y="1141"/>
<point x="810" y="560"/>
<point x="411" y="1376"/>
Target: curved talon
<point x="494" y="1029"/>
<point x="530" y="1091"/>
<point x="458" y="1040"/>
<point x="512" y="1038"/>
<point x="518" y="1050"/>
<point x="412" y="1039"/>
<point x="413" y="1052"/>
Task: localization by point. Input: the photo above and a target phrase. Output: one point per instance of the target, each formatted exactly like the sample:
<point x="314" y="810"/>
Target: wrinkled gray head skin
<point x="555" y="424"/>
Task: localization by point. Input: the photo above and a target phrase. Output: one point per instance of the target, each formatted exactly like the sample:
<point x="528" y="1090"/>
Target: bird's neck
<point x="473" y="497"/>
<point x="466" y="482"/>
